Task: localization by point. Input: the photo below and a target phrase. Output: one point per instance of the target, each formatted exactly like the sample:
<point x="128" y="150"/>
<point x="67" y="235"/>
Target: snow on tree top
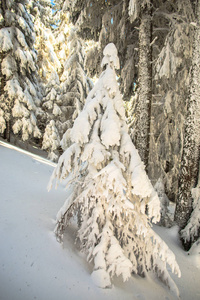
<point x="110" y="49"/>
<point x="110" y="56"/>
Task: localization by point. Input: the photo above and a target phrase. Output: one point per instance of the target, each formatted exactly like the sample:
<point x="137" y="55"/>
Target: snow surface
<point x="33" y="265"/>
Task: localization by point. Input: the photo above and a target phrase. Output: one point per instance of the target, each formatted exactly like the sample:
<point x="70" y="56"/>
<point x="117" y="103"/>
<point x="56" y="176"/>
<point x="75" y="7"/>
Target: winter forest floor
<point x="33" y="265"/>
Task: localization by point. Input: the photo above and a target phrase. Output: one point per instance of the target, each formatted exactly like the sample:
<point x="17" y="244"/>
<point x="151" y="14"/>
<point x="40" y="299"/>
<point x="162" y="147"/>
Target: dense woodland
<point x="50" y="60"/>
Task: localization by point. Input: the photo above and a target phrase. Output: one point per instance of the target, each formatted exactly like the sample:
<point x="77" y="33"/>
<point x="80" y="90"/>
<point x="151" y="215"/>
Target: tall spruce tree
<point x="51" y="108"/>
<point x="47" y="59"/>
<point x="110" y="190"/>
<point x="75" y="85"/>
<point x="64" y="100"/>
<point x="19" y="94"/>
<point x="172" y="57"/>
<point x="61" y="32"/>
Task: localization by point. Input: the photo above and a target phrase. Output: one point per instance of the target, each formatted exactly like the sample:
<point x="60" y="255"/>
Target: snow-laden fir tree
<point x="47" y="61"/>
<point x="110" y="191"/>
<point x="189" y="169"/>
<point x="51" y="141"/>
<point x="19" y="94"/>
<point x="75" y="85"/>
<point x="52" y="109"/>
<point x="171" y="68"/>
<point x="64" y="101"/>
<point x="48" y="65"/>
<point x="167" y="216"/>
<point x="62" y="32"/>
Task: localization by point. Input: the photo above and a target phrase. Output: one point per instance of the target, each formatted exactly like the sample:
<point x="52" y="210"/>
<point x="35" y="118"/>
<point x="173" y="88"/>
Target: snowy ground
<point x="33" y="265"/>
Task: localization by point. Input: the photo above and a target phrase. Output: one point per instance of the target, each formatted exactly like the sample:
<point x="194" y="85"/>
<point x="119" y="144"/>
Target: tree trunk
<point x="143" y="112"/>
<point x="191" y="147"/>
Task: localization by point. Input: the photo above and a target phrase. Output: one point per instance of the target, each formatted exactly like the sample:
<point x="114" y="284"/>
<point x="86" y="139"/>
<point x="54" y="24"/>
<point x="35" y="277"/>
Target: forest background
<point x="50" y="57"/>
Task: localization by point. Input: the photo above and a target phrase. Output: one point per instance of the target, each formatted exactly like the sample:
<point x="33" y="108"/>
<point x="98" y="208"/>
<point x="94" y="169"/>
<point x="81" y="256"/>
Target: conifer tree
<point x="51" y="108"/>
<point x="110" y="191"/>
<point x="172" y="55"/>
<point x="20" y="94"/>
<point x="75" y="85"/>
<point x="47" y="60"/>
<point x="64" y="101"/>
<point x="61" y="33"/>
<point x="51" y="141"/>
<point x="166" y="216"/>
<point x="189" y="169"/>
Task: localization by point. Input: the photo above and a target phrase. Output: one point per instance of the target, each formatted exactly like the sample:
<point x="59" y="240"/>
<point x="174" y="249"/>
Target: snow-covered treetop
<point x="110" y="56"/>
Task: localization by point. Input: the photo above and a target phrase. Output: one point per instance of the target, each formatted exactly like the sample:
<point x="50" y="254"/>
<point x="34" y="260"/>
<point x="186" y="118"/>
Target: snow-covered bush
<point x="110" y="191"/>
<point x="51" y="141"/>
<point x="166" y="215"/>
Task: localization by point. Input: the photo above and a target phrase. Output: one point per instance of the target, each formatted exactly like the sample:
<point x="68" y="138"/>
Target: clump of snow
<point x="133" y="9"/>
<point x="110" y="56"/>
<point x="6" y="39"/>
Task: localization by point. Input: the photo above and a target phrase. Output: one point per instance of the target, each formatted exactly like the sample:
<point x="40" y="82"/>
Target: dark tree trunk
<point x="143" y="112"/>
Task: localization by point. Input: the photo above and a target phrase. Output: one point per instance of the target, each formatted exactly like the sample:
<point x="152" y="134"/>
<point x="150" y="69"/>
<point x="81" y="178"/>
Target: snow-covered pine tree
<point x="75" y="85"/>
<point x="167" y="216"/>
<point x="63" y="102"/>
<point x="172" y="57"/>
<point x="110" y="191"/>
<point x="52" y="109"/>
<point x="61" y="33"/>
<point x="43" y="21"/>
<point x="47" y="62"/>
<point x="51" y="141"/>
<point x="19" y="95"/>
<point x="189" y="169"/>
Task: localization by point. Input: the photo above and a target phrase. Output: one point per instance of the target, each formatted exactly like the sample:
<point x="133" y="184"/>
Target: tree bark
<point x="143" y="112"/>
<point x="191" y="147"/>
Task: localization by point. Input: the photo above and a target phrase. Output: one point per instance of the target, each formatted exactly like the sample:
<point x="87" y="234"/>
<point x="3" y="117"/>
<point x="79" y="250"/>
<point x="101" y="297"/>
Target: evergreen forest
<point x="110" y="91"/>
